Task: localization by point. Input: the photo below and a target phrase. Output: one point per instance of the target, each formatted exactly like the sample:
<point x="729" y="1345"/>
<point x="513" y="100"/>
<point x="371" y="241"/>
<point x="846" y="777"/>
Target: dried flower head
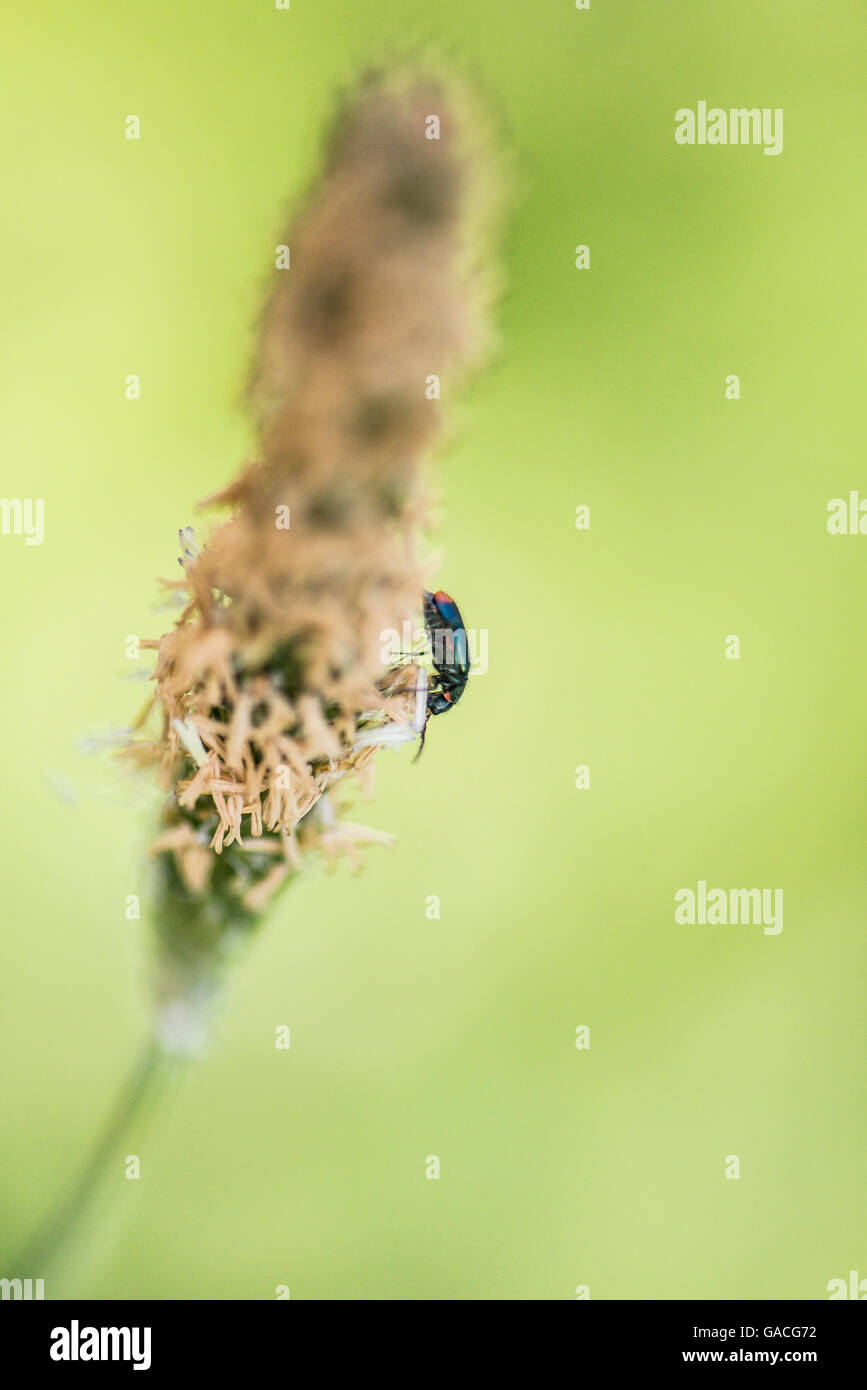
<point x="271" y="690"/>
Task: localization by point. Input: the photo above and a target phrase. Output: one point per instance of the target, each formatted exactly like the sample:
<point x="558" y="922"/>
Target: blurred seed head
<point x="271" y="696"/>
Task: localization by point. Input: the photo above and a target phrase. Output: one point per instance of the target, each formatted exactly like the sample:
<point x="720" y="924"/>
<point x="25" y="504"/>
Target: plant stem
<point x="152" y="1068"/>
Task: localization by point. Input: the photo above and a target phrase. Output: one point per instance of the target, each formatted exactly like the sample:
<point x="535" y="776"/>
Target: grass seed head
<point x="271" y="695"/>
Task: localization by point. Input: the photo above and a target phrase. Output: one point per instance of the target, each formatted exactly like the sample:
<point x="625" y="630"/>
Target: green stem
<point x="153" y="1066"/>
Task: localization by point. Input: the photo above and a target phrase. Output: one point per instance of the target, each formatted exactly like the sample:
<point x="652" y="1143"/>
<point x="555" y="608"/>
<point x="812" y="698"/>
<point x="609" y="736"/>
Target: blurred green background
<point x="456" y="1037"/>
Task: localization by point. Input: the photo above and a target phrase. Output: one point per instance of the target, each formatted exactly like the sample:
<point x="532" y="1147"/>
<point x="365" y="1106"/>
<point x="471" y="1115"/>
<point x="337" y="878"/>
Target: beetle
<point x="449" y="651"/>
<point x="434" y="694"/>
<point x="449" y="655"/>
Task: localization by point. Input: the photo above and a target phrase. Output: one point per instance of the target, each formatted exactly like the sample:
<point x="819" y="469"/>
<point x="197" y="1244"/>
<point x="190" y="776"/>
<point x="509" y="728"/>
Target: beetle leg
<point x="423" y="736"/>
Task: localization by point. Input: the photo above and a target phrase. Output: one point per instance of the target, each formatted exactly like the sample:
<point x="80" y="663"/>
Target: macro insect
<point x="449" y="655"/>
<point x="439" y="692"/>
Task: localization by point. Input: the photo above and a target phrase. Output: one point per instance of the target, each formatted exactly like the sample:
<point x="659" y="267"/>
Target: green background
<point x="559" y="1167"/>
